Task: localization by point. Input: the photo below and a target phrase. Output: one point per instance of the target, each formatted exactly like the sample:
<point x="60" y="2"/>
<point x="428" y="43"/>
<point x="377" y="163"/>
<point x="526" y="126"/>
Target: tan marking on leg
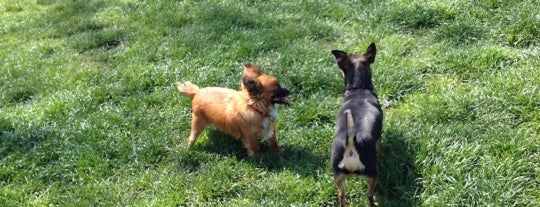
<point x="340" y="184"/>
<point x="372" y="182"/>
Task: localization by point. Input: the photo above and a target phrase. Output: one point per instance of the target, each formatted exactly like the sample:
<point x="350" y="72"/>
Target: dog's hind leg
<point x="197" y="127"/>
<point x="378" y="146"/>
<point x="372" y="182"/>
<point x="340" y="184"/>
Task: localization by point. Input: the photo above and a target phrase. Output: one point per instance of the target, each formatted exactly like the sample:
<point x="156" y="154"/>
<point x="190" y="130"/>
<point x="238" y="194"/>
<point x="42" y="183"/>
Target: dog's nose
<point x="286" y="91"/>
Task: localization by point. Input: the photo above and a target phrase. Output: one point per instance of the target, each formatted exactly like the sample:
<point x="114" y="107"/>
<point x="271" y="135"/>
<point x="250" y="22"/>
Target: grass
<point x="89" y="115"/>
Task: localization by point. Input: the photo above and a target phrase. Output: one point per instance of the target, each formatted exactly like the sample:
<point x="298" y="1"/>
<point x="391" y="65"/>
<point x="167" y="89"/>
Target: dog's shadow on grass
<point x="297" y="159"/>
<point x="398" y="179"/>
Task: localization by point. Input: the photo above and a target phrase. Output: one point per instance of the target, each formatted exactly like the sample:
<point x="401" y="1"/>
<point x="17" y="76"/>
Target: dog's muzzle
<point x="280" y="97"/>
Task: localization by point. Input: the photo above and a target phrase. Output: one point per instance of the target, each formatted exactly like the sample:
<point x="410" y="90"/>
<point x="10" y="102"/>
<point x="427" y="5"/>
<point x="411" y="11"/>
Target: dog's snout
<point x="283" y="91"/>
<point x="286" y="91"/>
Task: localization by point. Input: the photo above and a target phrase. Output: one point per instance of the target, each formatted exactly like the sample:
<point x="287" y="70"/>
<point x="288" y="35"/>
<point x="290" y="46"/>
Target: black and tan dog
<point x="358" y="125"/>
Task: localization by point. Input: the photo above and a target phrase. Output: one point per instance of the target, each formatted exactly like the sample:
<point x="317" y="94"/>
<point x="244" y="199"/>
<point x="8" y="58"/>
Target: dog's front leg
<point x="251" y="145"/>
<point x="273" y="142"/>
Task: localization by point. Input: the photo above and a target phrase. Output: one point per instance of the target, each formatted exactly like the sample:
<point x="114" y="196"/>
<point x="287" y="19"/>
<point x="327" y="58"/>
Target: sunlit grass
<point x="89" y="115"/>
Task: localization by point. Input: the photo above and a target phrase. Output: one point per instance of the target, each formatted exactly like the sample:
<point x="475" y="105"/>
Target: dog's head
<point x="356" y="68"/>
<point x="263" y="87"/>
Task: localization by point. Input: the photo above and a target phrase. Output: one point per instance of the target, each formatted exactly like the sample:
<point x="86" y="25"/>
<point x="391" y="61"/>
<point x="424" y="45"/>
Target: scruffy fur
<point x="246" y="114"/>
<point x="358" y="125"/>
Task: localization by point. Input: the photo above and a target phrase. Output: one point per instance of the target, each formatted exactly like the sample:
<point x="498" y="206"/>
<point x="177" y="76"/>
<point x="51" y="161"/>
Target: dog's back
<point x="367" y="116"/>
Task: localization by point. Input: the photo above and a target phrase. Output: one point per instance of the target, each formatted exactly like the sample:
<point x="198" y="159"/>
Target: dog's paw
<point x="279" y="150"/>
<point x="252" y="153"/>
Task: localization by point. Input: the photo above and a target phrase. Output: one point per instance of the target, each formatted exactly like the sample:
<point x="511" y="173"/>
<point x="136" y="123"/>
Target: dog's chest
<point x="269" y="123"/>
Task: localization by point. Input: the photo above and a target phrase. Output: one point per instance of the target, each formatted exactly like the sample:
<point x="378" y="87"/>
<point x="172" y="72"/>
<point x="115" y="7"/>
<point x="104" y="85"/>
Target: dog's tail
<point x="187" y="89"/>
<point x="351" y="158"/>
<point x="350" y="128"/>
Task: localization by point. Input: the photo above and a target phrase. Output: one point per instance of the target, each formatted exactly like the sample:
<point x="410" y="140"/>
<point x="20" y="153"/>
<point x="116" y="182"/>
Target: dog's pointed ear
<point x="342" y="59"/>
<point x="251" y="71"/>
<point x="339" y="54"/>
<point x="252" y="86"/>
<point x="370" y="53"/>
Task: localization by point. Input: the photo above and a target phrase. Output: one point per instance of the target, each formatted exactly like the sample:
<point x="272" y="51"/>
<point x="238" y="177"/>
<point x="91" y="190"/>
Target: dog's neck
<point x="364" y="85"/>
<point x="260" y="112"/>
<point x="270" y="114"/>
<point x="353" y="88"/>
<point x="359" y="91"/>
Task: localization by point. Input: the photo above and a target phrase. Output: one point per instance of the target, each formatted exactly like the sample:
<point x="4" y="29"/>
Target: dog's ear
<point x="342" y="59"/>
<point x="339" y="54"/>
<point x="370" y="53"/>
<point x="251" y="71"/>
<point x="252" y="86"/>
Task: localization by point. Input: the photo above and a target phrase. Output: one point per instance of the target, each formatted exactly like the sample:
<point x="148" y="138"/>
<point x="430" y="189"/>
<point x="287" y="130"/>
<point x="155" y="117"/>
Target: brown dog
<point x="248" y="114"/>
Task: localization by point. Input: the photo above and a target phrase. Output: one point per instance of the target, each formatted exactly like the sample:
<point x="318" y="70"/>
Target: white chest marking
<point x="268" y="124"/>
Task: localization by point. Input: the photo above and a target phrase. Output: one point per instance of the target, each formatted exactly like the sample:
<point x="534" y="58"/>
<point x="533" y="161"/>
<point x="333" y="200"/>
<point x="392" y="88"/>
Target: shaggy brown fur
<point x="247" y="114"/>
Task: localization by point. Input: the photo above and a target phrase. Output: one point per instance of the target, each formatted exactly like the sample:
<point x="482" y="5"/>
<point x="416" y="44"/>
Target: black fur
<point x="362" y="103"/>
<point x="367" y="114"/>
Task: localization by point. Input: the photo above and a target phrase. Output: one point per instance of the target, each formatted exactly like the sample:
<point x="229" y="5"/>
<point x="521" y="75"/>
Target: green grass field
<point x="89" y="113"/>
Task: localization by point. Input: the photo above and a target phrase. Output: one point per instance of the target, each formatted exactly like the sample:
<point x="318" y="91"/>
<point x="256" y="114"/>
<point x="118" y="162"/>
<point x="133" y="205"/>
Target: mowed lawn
<point x="90" y="116"/>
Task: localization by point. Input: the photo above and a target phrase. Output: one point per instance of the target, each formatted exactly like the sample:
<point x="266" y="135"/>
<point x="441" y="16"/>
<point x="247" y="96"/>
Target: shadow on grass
<point x="14" y="140"/>
<point x="76" y="20"/>
<point x="299" y="160"/>
<point x="398" y="178"/>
